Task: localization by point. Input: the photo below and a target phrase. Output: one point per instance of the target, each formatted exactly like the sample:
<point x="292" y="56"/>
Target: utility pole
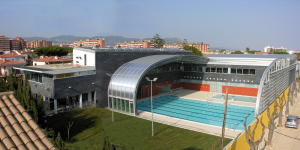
<point x="224" y="119"/>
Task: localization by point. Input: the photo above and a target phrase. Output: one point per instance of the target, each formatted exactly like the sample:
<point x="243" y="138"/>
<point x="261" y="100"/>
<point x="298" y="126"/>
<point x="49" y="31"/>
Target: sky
<point x="230" y="24"/>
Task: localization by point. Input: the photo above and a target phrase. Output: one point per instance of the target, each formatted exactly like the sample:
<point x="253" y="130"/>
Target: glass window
<point x="252" y="71"/>
<point x="190" y="68"/>
<point x="91" y="72"/>
<point x="127" y="105"/>
<point x="158" y="70"/>
<point x="131" y="108"/>
<point x="225" y="70"/>
<point x="239" y="71"/>
<point x="194" y="68"/>
<point x="245" y="71"/>
<point x="219" y="70"/>
<point x="123" y="105"/>
<point x="60" y="76"/>
<point x="83" y="73"/>
<point x="40" y="77"/>
<point x="69" y="74"/>
<point x="213" y="69"/>
<point x="109" y="102"/>
<point x="233" y="70"/>
<point x="207" y="69"/>
<point x="76" y="73"/>
<point x="163" y="69"/>
<point x="200" y="69"/>
<point x="186" y="68"/>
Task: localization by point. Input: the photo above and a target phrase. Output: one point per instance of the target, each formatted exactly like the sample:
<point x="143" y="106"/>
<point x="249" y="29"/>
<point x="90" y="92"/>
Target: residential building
<point x="14" y="57"/>
<point x="14" y="43"/>
<point x="4" y="44"/>
<point x="18" y="129"/>
<point x="272" y="49"/>
<point x="52" y="60"/>
<point x="40" y="43"/>
<point x="64" y="45"/>
<point x="200" y="46"/>
<point x="136" y="44"/>
<point x="7" y="65"/>
<point x="89" y="43"/>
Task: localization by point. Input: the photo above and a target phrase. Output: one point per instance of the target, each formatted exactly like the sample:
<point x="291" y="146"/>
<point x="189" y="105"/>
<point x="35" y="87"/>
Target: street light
<point x="112" y="101"/>
<point x="151" y="101"/>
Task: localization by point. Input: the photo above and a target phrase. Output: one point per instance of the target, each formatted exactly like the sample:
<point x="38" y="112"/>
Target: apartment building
<point x="136" y="44"/>
<point x="90" y="43"/>
<point x="14" y="43"/>
<point x="272" y="49"/>
<point x="40" y="43"/>
<point x="200" y="46"/>
<point x="4" y="44"/>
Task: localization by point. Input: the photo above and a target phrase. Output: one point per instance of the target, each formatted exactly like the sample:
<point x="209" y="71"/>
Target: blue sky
<point x="234" y="24"/>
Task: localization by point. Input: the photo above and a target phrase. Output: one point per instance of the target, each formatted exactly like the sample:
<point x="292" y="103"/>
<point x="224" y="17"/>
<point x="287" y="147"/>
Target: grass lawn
<point x="92" y="125"/>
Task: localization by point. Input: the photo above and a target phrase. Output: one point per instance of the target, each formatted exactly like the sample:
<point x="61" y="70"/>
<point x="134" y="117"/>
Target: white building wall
<point x="38" y="63"/>
<point x="78" y="57"/>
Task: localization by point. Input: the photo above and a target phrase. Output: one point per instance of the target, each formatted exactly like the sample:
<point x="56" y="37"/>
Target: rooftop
<point x="53" y="59"/>
<point x="17" y="129"/>
<point x="122" y="49"/>
<point x="10" y="55"/>
<point x="56" y="68"/>
<point x="10" y="62"/>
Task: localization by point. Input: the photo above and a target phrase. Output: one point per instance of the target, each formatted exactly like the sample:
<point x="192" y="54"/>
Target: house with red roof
<point x="6" y="65"/>
<point x="14" y="57"/>
<point x="52" y="60"/>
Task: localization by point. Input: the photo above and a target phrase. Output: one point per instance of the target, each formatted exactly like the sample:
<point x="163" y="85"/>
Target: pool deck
<point x="190" y="125"/>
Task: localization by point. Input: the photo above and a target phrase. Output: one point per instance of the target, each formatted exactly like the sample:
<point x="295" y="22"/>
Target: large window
<point x="245" y="71"/>
<point x="200" y="69"/>
<point x="207" y="69"/>
<point x="213" y="69"/>
<point x="233" y="70"/>
<point x="239" y="71"/>
<point x="219" y="70"/>
<point x="252" y="71"/>
<point x="36" y="77"/>
<point x="195" y="68"/>
<point x="225" y="70"/>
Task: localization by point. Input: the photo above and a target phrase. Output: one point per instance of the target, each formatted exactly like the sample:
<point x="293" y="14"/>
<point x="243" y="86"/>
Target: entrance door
<point x="212" y="88"/>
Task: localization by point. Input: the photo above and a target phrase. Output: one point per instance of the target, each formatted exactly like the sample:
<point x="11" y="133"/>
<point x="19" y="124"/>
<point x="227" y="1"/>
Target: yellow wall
<point x="241" y="143"/>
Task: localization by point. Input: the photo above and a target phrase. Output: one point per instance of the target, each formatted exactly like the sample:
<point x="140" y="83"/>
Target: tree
<point x="68" y="128"/>
<point x="254" y="145"/>
<point x="185" y="44"/>
<point x="279" y="53"/>
<point x="158" y="41"/>
<point x="272" y="118"/>
<point x="194" y="50"/>
<point x="237" y="52"/>
<point x="222" y="51"/>
<point x="20" y="46"/>
<point x="247" y="49"/>
<point x="80" y="45"/>
<point x="281" y="104"/>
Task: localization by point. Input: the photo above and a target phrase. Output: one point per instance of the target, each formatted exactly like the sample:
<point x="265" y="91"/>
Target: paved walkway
<point x="284" y="138"/>
<point x="199" y="127"/>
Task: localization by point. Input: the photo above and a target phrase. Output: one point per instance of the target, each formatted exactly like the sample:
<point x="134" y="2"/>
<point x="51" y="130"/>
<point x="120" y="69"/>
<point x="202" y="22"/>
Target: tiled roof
<point x="10" y="55"/>
<point x="10" y="62"/>
<point x="53" y="59"/>
<point x="18" y="130"/>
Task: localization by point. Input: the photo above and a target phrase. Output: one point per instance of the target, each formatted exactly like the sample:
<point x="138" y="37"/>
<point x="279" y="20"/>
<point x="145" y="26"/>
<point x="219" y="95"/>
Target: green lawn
<point x="92" y="125"/>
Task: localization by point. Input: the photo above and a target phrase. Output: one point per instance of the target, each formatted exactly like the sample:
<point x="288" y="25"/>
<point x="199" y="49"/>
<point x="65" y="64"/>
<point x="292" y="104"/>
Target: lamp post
<point x="112" y="101"/>
<point x="151" y="102"/>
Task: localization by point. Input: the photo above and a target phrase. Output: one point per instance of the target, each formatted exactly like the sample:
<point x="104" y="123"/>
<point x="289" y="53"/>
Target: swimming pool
<point x="236" y="98"/>
<point x="199" y="111"/>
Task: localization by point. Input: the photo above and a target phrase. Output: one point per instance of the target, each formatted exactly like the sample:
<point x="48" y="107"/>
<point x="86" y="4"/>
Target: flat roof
<point x="120" y="49"/>
<point x="56" y="69"/>
<point x="252" y="56"/>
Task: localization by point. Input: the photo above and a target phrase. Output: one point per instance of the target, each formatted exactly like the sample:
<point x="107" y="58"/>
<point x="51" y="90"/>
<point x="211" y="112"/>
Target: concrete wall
<point x="45" y="89"/>
<point x="109" y="62"/>
<point x="78" y="57"/>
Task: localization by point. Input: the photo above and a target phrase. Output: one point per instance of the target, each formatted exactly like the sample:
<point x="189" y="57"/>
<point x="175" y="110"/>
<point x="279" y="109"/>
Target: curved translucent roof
<point x="125" y="80"/>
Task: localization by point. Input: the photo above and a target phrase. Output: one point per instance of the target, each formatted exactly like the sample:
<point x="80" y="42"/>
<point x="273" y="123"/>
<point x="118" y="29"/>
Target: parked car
<point x="291" y="122"/>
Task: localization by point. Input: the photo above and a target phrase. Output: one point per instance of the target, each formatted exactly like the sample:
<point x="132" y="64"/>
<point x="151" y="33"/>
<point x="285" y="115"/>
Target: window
<point x="200" y="69"/>
<point x="213" y="69"/>
<point x="239" y="71"/>
<point x="225" y="70"/>
<point x="186" y="68"/>
<point x="252" y="71"/>
<point x="245" y="71"/>
<point x="207" y="69"/>
<point x="233" y="70"/>
<point x="219" y="70"/>
<point x="190" y="68"/>
<point x="195" y="68"/>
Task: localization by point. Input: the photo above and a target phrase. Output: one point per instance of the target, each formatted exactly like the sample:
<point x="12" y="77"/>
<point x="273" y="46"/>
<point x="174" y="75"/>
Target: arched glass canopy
<point x="125" y="80"/>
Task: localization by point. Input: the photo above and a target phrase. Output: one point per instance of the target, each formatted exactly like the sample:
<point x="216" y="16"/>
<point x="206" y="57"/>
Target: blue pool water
<point x="199" y="111"/>
<point x="237" y="98"/>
